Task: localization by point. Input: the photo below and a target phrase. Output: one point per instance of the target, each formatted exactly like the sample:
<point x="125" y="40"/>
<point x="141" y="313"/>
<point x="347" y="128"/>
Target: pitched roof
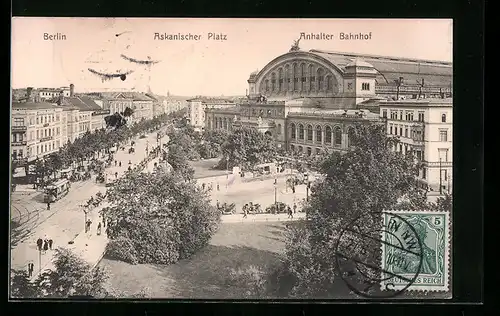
<point x="210" y="100"/>
<point x="435" y="73"/>
<point x="33" y="105"/>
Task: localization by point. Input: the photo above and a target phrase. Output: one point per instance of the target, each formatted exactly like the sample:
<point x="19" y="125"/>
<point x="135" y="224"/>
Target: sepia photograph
<point x="242" y="159"/>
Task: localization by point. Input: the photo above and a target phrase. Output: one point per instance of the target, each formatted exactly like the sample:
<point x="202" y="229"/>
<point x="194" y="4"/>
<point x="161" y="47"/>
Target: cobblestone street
<point x="64" y="222"/>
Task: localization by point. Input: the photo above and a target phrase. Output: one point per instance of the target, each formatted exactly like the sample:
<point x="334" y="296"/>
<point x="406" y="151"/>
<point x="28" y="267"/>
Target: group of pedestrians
<point x="100" y="225"/>
<point x="44" y="244"/>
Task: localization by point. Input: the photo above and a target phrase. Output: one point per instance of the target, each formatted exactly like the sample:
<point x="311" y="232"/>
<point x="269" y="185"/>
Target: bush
<point x="253" y="279"/>
<point x="154" y="243"/>
<point x="272" y="209"/>
<point x="121" y="249"/>
<point x="164" y="217"/>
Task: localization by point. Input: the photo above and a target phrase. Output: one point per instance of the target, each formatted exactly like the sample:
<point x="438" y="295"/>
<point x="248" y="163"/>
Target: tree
<point x="115" y="120"/>
<point x="128" y="112"/>
<point x="247" y="147"/>
<point x="159" y="217"/>
<point x="54" y="162"/>
<point x="71" y="276"/>
<point x="370" y="177"/>
<point x="21" y="286"/>
<point x="176" y="158"/>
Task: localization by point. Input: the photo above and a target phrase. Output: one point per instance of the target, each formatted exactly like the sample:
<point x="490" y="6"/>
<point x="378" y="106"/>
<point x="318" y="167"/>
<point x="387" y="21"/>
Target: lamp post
<point x="85" y="211"/>
<point x="307" y="190"/>
<point x="227" y="172"/>
<point x="276" y="194"/>
<point x="40" y="260"/>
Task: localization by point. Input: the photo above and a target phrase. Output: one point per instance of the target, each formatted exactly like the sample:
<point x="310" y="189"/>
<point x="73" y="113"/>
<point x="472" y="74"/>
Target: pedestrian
<point x="50" y="243"/>
<point x="250" y="207"/>
<point x="294" y="208"/>
<point x="45" y="245"/>
<point x="103" y="221"/>
<point x="116" y="162"/>
<point x="245" y="210"/>
<point x="130" y="162"/>
<point x="39" y="244"/>
<point x="116" y="175"/>
<point x="218" y="205"/>
<point x="203" y="186"/>
<point x="119" y="164"/>
<point x="290" y="213"/>
<point x="129" y="168"/>
<point x="31" y="267"/>
<point x="99" y="229"/>
<point x="218" y="188"/>
<point x="48" y="206"/>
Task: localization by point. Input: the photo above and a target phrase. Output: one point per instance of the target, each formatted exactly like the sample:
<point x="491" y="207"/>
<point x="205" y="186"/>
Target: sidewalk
<point x="238" y="218"/>
<point x="65" y="222"/>
<point x="90" y="246"/>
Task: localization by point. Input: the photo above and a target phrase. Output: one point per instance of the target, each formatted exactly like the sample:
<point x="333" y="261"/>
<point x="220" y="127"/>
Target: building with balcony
<point x="424" y="128"/>
<point x="36" y="130"/>
<point x="196" y="109"/>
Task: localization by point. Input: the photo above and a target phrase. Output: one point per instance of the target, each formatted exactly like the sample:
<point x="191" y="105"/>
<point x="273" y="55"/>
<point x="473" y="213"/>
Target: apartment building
<point x="197" y="106"/>
<point x="425" y="128"/>
<point x="36" y="130"/>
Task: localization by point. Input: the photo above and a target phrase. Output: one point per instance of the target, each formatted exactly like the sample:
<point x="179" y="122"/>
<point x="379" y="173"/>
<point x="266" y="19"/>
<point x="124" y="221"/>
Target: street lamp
<point x="276" y="194"/>
<point x="307" y="190"/>
<point x="40" y="260"/>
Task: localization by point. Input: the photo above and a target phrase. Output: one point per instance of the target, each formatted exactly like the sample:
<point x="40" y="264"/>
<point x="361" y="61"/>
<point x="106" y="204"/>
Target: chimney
<point x="71" y="90"/>
<point x="29" y="91"/>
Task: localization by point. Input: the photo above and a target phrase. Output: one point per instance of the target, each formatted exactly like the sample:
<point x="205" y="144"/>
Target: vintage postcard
<point x="177" y="158"/>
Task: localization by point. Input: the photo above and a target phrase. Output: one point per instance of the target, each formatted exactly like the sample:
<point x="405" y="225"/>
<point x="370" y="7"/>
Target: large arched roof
<point x="438" y="73"/>
<point x="291" y="56"/>
<point x="389" y="69"/>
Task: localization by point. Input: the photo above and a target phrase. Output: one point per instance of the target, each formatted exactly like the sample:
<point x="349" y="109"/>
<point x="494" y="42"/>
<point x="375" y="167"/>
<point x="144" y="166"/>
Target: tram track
<point x="32" y="219"/>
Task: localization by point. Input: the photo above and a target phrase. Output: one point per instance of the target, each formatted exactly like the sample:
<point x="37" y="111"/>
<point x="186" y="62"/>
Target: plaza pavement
<point x="65" y="221"/>
<point x="251" y="218"/>
<point x="258" y="191"/>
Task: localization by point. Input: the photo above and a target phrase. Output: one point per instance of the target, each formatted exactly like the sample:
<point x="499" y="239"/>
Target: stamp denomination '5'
<point x="432" y="266"/>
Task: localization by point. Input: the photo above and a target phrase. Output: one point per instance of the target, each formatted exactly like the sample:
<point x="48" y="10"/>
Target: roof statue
<point x="295" y="47"/>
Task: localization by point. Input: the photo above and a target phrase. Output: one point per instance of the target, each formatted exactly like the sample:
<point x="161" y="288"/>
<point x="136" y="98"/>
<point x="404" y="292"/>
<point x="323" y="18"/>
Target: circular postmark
<point x="379" y="255"/>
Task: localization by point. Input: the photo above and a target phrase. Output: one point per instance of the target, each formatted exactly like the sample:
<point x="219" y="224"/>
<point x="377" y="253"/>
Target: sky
<point x="197" y="67"/>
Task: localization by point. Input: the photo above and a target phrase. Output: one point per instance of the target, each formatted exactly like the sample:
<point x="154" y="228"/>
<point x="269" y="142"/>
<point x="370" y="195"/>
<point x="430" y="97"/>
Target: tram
<point x="56" y="190"/>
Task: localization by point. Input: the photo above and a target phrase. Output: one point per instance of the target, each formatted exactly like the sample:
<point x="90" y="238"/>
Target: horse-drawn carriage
<point x="131" y="150"/>
<point x="100" y="178"/>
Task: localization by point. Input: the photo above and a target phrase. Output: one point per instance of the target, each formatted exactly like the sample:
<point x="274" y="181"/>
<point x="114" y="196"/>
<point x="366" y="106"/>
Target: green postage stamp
<point x="415" y="251"/>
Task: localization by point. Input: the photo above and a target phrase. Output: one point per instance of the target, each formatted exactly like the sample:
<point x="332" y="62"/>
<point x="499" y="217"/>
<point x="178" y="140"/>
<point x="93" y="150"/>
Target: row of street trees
<point x="370" y="177"/>
<point x="91" y="143"/>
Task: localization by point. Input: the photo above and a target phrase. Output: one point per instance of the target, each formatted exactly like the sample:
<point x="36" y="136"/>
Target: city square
<point x="121" y="192"/>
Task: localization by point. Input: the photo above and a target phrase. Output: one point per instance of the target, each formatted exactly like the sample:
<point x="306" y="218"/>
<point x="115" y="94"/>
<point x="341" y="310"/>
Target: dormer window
<point x="365" y="86"/>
